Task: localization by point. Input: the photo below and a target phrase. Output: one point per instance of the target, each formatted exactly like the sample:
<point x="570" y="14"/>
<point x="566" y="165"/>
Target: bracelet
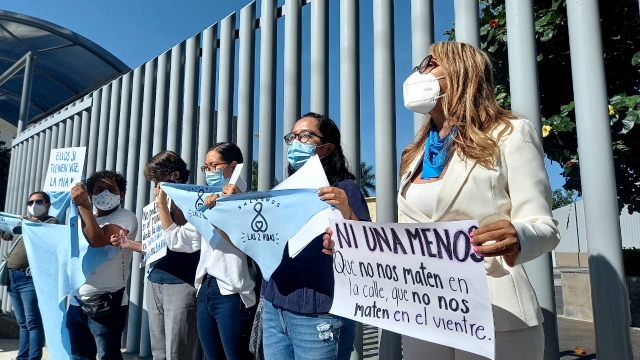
<point x="352" y="216"/>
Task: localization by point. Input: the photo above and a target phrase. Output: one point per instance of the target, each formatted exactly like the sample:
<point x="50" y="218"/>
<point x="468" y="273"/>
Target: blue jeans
<point x="25" y="306"/>
<point x="224" y="323"/>
<point x="101" y="335"/>
<point x="287" y="335"/>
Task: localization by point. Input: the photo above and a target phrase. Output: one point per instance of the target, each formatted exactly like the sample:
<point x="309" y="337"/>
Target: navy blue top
<point x="175" y="268"/>
<point x="304" y="284"/>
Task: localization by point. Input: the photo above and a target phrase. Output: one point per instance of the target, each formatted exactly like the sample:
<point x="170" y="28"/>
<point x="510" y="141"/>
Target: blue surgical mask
<point x="298" y="153"/>
<point x="215" y="178"/>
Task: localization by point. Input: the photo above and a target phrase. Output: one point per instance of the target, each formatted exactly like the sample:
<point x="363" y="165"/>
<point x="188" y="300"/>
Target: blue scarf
<point x="436" y="153"/>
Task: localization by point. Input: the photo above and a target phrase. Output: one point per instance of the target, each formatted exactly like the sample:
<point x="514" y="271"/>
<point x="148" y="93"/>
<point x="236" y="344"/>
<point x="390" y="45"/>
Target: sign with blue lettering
<point x="65" y="169"/>
<point x="154" y="245"/>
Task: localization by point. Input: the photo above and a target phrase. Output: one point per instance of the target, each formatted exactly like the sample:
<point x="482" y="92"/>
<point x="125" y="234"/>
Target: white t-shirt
<point x="108" y="277"/>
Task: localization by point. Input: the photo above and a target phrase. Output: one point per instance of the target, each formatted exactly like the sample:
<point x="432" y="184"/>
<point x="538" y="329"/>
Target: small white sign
<point x="154" y="245"/>
<point x="66" y="167"/>
<point x="419" y="280"/>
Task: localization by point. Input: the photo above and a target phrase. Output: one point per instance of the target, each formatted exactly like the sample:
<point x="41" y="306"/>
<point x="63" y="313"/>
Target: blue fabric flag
<point x="8" y="222"/>
<point x="190" y="199"/>
<point x="60" y="259"/>
<point x="60" y="201"/>
<point x="261" y="223"/>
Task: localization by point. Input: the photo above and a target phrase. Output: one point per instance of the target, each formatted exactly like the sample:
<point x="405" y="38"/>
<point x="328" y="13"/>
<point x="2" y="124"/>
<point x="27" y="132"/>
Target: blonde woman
<point x="473" y="160"/>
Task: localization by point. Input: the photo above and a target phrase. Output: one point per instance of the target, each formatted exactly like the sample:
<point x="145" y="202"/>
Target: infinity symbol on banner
<point x="259" y="223"/>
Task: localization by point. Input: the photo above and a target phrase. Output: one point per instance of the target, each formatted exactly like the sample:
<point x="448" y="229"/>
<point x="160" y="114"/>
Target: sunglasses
<point x="39" y="202"/>
<point x="425" y="64"/>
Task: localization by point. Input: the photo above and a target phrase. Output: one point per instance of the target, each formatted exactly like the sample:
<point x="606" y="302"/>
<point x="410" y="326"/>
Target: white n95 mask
<point x="421" y="92"/>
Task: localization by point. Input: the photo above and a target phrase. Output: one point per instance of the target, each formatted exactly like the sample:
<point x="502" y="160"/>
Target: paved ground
<point x="572" y="333"/>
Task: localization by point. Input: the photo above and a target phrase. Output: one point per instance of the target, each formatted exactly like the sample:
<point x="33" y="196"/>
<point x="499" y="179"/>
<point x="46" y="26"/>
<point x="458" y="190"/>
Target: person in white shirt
<point x="224" y="280"/>
<point x="98" y="310"/>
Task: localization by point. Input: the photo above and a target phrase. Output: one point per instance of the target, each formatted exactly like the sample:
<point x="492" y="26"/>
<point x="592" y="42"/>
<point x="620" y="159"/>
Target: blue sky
<point x="137" y="31"/>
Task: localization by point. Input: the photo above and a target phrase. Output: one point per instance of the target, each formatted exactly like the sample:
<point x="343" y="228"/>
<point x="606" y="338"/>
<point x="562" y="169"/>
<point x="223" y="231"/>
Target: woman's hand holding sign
<point x="506" y="240"/>
<point x="231" y="189"/>
<point x="338" y="198"/>
<point x="328" y="245"/>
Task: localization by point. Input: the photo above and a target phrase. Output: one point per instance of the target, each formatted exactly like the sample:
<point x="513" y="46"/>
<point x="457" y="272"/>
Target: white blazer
<point x="517" y="189"/>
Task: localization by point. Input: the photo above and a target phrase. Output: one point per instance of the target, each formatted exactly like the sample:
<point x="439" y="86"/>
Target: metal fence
<point x="169" y="102"/>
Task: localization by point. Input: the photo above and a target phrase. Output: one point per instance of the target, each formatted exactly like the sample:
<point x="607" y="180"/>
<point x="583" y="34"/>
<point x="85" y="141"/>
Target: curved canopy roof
<point x="67" y="66"/>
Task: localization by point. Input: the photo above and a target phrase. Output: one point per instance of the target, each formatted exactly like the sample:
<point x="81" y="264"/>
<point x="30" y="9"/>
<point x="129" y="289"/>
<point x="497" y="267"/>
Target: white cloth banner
<point x="419" y="280"/>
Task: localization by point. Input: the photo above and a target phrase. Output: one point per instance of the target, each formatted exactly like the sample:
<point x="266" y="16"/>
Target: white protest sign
<point x="310" y="176"/>
<point x="419" y="280"/>
<point x="65" y="169"/>
<point x="154" y="245"/>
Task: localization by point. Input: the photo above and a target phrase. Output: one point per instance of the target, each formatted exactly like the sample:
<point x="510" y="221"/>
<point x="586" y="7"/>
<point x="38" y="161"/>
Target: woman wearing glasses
<point x="299" y="294"/>
<point x="20" y="285"/>
<point x="474" y="160"/>
<point x="224" y="305"/>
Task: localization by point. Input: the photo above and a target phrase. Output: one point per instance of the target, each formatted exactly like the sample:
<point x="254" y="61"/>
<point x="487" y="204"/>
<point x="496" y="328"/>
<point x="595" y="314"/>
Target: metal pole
<point x="320" y="56"/>
<point x="25" y="99"/>
<point x="62" y="130"/>
<point x="525" y="100"/>
<point x="7" y="199"/>
<point x="208" y="96"/>
<point x="42" y="162"/>
<point x="114" y="114"/>
<point x="246" y="87"/>
<point x="162" y="103"/>
<point x="92" y="147"/>
<point x="85" y="128"/>
<point x="467" y="21"/>
<point x="226" y="78"/>
<point x="421" y="39"/>
<point x="385" y="138"/>
<point x="47" y="151"/>
<point x="130" y="202"/>
<point x="24" y="177"/>
<point x="190" y="113"/>
<point x="68" y="134"/>
<point x="75" y="137"/>
<point x="143" y="185"/>
<point x="608" y="285"/>
<point x="101" y="157"/>
<point x="176" y="92"/>
<point x="292" y="70"/>
<point x="350" y="84"/>
<point x="123" y="125"/>
<point x="267" y="130"/>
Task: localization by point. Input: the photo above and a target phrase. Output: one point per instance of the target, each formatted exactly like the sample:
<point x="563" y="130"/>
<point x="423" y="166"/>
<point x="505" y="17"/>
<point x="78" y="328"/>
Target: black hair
<point x="335" y="164"/>
<point x="46" y="197"/>
<point x="164" y="163"/>
<point x="106" y="174"/>
<point x="229" y="152"/>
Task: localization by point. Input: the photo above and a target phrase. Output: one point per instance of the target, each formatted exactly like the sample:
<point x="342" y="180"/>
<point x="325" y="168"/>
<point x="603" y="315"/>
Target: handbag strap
<point x="14" y="246"/>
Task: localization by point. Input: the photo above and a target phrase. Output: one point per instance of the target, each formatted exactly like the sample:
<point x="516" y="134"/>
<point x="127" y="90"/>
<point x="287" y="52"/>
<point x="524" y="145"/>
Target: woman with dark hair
<point x="171" y="295"/>
<point x="299" y="294"/>
<point x="224" y="305"/>
<point x="20" y="283"/>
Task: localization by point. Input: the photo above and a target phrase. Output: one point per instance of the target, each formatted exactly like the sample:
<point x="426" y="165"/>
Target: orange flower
<point x="493" y="23"/>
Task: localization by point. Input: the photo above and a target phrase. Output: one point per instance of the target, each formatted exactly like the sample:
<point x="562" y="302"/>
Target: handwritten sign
<point x="8" y="222"/>
<point x="65" y="168"/>
<point x="154" y="245"/>
<point x="419" y="280"/>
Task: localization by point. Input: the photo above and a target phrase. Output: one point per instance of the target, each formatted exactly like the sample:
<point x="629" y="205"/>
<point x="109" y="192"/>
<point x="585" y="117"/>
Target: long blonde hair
<point x="469" y="105"/>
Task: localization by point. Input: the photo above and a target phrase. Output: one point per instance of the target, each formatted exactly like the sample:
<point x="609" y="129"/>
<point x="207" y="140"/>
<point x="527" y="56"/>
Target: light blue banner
<point x="60" y="259"/>
<point x="190" y="199"/>
<point x="261" y="223"/>
<point x="8" y="222"/>
<point x="60" y="201"/>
